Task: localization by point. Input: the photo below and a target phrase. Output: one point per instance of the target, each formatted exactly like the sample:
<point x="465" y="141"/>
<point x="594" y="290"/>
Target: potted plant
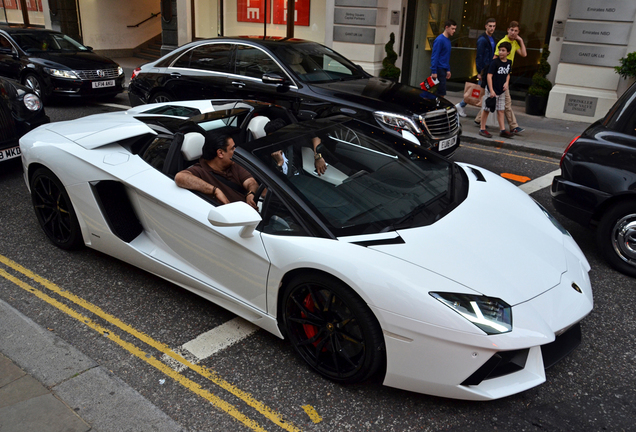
<point x="627" y="70"/>
<point x="537" y="97"/>
<point x="389" y="70"/>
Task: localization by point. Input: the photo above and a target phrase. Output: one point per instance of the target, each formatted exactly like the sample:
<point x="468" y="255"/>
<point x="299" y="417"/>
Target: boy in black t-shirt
<point x="498" y="79"/>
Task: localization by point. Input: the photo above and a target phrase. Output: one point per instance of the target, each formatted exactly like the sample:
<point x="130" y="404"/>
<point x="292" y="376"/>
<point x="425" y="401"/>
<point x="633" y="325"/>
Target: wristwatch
<point x="317" y="156"/>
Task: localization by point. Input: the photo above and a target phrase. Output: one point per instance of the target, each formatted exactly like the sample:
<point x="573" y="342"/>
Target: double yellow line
<point x="212" y="376"/>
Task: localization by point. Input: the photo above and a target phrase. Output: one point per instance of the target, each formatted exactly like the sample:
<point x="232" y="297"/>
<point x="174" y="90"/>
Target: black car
<point x="20" y="111"/>
<point x="53" y="64"/>
<point x="597" y="185"/>
<point x="306" y="77"/>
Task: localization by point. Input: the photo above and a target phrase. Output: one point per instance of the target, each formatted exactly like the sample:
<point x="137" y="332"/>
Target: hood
<point x="382" y="95"/>
<point x="76" y="60"/>
<point x="498" y="242"/>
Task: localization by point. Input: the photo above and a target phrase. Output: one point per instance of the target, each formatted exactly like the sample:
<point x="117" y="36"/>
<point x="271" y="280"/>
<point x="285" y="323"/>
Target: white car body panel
<point x="429" y="347"/>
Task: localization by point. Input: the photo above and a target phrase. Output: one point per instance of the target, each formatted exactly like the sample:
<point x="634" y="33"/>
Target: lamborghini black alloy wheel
<point x="54" y="210"/>
<point x="332" y="329"/>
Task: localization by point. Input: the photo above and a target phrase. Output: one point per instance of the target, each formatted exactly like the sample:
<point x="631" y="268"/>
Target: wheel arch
<point x="307" y="272"/>
<point x="605" y="206"/>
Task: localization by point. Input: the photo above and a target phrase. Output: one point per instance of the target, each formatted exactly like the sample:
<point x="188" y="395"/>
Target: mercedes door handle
<point x="239" y="84"/>
<point x="175" y="75"/>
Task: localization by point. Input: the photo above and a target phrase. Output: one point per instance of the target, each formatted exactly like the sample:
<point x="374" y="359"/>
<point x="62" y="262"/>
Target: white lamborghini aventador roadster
<point x="442" y="276"/>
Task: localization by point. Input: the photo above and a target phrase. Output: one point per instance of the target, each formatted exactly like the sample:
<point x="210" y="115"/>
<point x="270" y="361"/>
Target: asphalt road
<point x="261" y="378"/>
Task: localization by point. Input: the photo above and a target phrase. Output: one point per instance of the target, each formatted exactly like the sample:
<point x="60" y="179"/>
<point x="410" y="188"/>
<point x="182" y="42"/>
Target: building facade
<point x="586" y="37"/>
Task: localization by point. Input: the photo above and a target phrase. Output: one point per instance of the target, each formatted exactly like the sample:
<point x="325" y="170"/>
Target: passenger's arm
<point x="185" y="179"/>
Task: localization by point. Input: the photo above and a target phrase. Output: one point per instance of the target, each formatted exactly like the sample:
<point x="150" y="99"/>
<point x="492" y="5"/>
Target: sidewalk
<point x="47" y="385"/>
<point x="542" y="136"/>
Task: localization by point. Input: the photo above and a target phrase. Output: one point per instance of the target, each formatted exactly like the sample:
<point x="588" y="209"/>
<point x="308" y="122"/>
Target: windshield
<point x="46" y="41"/>
<point x="314" y="63"/>
<point x="371" y="183"/>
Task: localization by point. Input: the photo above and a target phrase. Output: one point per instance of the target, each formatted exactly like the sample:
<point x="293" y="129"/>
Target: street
<point x="126" y="320"/>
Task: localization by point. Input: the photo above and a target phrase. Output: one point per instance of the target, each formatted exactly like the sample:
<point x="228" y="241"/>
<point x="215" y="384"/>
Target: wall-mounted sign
<point x="613" y="34"/>
<point x="580" y="105"/>
<point x="354" y="34"/>
<point x="357" y="3"/>
<point x="301" y="12"/>
<point x="592" y="55"/>
<point x="603" y="10"/>
<point x="252" y="11"/>
<point x="355" y="16"/>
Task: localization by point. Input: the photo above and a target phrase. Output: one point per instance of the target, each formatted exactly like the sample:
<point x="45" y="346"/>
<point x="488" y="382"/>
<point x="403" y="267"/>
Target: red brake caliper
<point x="310" y="330"/>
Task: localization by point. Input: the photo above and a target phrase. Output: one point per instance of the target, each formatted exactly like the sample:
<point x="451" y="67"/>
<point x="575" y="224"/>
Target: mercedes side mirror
<point x="273" y="78"/>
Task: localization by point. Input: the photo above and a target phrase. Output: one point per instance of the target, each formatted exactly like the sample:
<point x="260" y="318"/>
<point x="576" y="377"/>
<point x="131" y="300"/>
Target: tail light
<point x="567" y="149"/>
<point x="135" y="73"/>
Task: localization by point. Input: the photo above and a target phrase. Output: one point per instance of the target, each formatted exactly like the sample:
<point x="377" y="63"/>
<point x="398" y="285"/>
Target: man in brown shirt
<point x="216" y="174"/>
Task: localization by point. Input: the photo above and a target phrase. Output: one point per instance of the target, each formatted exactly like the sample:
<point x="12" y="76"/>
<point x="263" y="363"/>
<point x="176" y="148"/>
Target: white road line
<point x="211" y="342"/>
<point x="539" y="183"/>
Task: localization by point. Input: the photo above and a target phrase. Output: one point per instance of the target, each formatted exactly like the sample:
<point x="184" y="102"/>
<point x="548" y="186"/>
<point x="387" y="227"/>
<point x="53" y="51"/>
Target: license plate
<point x="448" y="143"/>
<point x="10" y="153"/>
<point x="100" y="84"/>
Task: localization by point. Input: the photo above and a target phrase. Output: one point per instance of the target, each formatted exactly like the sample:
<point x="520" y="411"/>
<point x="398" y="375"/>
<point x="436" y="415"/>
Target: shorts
<point x="501" y="101"/>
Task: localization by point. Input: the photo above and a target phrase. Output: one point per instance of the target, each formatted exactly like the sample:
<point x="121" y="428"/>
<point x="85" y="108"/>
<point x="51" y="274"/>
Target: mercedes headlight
<point x="397" y="121"/>
<point x="120" y="70"/>
<point x="32" y="102"/>
<point x="492" y="315"/>
<point x="58" y="73"/>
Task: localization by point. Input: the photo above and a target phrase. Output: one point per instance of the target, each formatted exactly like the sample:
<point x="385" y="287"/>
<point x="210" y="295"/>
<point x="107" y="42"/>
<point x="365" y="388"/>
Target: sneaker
<point x="460" y="110"/>
<point x="506" y="134"/>
<point x="517" y="130"/>
<point x="485" y="133"/>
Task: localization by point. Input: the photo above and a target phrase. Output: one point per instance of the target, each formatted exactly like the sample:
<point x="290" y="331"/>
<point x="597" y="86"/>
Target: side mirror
<point x="234" y="215"/>
<point x="273" y="78"/>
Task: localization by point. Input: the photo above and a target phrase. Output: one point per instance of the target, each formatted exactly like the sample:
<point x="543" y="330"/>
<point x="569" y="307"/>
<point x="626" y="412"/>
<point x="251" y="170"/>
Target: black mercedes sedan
<point x="597" y="185"/>
<point x="308" y="78"/>
<point x="53" y="64"/>
<point x="20" y="111"/>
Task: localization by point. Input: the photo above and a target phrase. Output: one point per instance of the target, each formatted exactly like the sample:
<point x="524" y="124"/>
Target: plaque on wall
<point x="603" y="10"/>
<point x="580" y="105"/>
<point x="355" y="16"/>
<point x="357" y="3"/>
<point x="592" y="55"/>
<point x="605" y="33"/>
<point x="354" y="34"/>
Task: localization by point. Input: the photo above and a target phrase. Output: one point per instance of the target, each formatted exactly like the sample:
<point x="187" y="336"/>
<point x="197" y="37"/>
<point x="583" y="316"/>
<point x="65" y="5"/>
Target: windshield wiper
<point x="405" y="221"/>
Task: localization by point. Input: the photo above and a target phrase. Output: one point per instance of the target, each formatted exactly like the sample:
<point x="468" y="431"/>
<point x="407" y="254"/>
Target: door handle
<point x="239" y="84"/>
<point x="175" y="75"/>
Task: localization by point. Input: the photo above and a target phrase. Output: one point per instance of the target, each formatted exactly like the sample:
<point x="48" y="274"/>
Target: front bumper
<point x="430" y="359"/>
<point x="84" y="88"/>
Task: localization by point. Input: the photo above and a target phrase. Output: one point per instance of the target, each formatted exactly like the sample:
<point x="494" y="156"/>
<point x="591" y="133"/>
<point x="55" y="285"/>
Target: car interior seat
<point x="192" y="147"/>
<point x="294" y="61"/>
<point x="256" y="127"/>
